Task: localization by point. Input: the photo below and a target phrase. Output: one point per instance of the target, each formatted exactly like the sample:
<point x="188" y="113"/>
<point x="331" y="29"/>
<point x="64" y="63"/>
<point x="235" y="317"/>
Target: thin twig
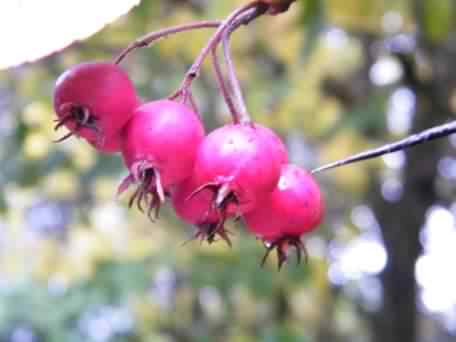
<point x="412" y="140"/>
<point x="241" y="107"/>
<point x="243" y="115"/>
<point x="193" y="72"/>
<point x="244" y="19"/>
<point x="157" y="35"/>
<point x="221" y="82"/>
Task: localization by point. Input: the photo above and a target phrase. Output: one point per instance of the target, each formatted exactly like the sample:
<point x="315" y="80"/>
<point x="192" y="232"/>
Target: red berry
<point x="294" y="207"/>
<point x="278" y="146"/>
<point x="159" y="147"/>
<point x="94" y="101"/>
<point x="239" y="164"/>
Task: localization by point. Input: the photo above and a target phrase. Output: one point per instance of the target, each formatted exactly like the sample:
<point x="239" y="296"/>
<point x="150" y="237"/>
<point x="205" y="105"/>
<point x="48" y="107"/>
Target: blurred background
<point x="333" y="78"/>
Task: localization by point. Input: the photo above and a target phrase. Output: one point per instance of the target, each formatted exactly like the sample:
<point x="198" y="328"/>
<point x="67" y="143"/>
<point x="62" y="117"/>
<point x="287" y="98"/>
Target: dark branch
<point x="412" y="140"/>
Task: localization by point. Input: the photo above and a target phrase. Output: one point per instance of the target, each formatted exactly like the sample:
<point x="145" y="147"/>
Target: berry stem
<point x="412" y="140"/>
<point x="221" y="83"/>
<point x="193" y="72"/>
<point x="241" y="116"/>
<point x="157" y="35"/>
<point x="194" y="106"/>
<point x="244" y="19"/>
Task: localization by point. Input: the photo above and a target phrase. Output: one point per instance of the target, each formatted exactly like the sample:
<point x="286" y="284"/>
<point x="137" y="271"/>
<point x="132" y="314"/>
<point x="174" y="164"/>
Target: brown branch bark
<point x="401" y="223"/>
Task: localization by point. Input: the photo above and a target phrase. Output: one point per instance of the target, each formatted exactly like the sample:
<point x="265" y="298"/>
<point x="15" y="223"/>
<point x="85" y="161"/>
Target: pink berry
<point x="294" y="207"/>
<point x="239" y="164"/>
<point x="159" y="148"/>
<point x="94" y="101"/>
<point x="278" y="146"/>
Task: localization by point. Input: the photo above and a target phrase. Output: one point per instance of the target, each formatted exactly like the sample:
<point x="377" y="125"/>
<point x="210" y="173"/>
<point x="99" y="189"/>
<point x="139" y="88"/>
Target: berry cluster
<point x="238" y="170"/>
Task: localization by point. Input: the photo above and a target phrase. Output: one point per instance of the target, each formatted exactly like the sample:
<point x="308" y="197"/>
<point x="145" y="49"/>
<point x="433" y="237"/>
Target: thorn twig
<point x="412" y="140"/>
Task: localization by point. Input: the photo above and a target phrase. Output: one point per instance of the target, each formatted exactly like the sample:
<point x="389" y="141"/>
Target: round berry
<point x="94" y="101"/>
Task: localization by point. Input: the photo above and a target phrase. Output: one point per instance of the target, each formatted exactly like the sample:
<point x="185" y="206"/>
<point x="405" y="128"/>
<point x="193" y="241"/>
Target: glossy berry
<point x="239" y="164"/>
<point x="94" y="101"/>
<point x="294" y="208"/>
<point x="279" y="149"/>
<point x="159" y="147"/>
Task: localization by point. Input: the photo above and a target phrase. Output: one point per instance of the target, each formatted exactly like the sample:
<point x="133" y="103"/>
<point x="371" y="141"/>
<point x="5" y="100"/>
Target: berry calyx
<point x="198" y="210"/>
<point x="282" y="247"/>
<point x="94" y="101"/>
<point x="159" y="148"/>
<point x="294" y="208"/>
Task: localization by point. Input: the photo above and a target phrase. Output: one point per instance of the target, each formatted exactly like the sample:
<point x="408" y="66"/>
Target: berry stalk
<point x="221" y="83"/>
<point x="239" y="112"/>
<point x="242" y="114"/>
<point x="193" y="72"/>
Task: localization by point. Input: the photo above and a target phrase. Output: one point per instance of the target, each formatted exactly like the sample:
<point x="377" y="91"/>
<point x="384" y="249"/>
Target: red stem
<point x="221" y="82"/>
<point x="243" y="114"/>
<point x="154" y="36"/>
<point x="215" y="39"/>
